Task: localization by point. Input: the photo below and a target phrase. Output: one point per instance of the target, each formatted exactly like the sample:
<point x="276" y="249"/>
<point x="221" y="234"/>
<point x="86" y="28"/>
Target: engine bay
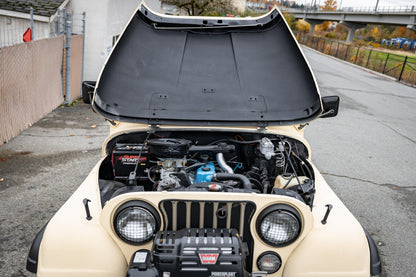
<point x="207" y="162"/>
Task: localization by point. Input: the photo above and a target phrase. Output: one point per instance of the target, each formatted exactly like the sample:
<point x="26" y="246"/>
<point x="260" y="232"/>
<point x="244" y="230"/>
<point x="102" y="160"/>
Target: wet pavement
<point x="39" y="170"/>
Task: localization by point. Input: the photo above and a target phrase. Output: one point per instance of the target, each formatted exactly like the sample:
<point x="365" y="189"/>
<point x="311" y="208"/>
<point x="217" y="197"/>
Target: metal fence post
<point x="404" y="65"/>
<point x="83" y="48"/>
<point x="64" y="57"/>
<point x="31" y="24"/>
<point x="346" y="52"/>
<point x="330" y="47"/>
<point x="336" y="53"/>
<point x="64" y="21"/>
<point x="68" y="60"/>
<point x="369" y="56"/>
<point x="58" y="23"/>
<point x="385" y="64"/>
<point x="356" y="55"/>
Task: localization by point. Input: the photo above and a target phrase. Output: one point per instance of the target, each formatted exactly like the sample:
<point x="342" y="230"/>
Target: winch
<point x="193" y="252"/>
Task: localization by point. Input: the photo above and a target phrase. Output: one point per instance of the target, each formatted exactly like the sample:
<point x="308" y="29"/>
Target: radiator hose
<point x="234" y="177"/>
<point x="221" y="162"/>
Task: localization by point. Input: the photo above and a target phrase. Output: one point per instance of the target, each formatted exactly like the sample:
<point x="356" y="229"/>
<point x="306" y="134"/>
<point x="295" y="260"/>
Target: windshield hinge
<point x="301" y="126"/>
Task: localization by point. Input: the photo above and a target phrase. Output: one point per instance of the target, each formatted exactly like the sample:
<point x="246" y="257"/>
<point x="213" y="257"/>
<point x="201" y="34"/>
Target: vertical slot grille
<point x="181" y="214"/>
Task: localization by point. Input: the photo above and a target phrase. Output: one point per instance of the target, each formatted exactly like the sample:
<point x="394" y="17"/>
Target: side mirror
<point x="330" y="105"/>
<point x="88" y="88"/>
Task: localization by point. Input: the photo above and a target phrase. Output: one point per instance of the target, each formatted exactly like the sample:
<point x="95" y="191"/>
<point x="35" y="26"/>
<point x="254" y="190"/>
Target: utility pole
<point x="68" y="59"/>
<point x="375" y="9"/>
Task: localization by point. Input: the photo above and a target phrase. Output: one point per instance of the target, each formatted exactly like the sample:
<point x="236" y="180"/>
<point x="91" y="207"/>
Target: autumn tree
<point x="203" y="7"/>
<point x="341" y="31"/>
<point x="404" y="33"/>
<point x="330" y="5"/>
<point x="291" y="20"/>
<point x="303" y="26"/>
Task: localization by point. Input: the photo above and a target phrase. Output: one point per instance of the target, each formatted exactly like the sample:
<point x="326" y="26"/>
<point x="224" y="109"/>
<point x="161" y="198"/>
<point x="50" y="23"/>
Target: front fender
<point x="73" y="245"/>
<point x="337" y="248"/>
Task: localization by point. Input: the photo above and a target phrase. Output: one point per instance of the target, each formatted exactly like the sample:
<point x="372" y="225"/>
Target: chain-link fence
<point x="13" y="28"/>
<point x="37" y="76"/>
<point x="31" y="86"/>
<point x="401" y="67"/>
<point x="74" y="24"/>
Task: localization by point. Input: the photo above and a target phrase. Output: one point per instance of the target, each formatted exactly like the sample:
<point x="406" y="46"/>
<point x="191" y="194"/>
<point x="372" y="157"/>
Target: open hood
<point x="207" y="71"/>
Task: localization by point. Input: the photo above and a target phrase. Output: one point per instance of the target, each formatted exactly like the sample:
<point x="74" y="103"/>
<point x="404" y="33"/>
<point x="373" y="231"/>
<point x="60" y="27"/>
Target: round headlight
<point x="269" y="262"/>
<point x="135" y="224"/>
<point x="279" y="225"/>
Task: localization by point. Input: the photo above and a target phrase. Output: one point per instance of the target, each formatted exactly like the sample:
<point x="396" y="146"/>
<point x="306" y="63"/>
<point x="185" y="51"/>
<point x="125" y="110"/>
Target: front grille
<point x="181" y="214"/>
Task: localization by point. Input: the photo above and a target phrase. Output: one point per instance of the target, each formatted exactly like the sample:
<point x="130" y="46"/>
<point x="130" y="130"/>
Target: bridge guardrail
<point x="401" y="67"/>
<point x="380" y="9"/>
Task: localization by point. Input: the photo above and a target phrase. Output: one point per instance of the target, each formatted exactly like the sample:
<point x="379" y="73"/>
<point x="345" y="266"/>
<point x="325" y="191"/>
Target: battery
<point x="124" y="159"/>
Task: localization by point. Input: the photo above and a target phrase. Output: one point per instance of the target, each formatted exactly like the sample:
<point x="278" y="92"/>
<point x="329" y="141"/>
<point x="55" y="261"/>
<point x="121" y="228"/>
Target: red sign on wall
<point x="27" y="35"/>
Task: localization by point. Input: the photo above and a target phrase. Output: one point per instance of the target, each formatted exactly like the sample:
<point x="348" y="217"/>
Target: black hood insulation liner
<point x="207" y="71"/>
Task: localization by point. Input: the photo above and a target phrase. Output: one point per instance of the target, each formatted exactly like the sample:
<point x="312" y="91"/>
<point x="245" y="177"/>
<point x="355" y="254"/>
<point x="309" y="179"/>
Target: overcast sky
<point x="366" y="3"/>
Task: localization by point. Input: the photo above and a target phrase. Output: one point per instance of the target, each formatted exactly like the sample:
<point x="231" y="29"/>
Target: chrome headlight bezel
<point x="285" y="210"/>
<point x="136" y="205"/>
<point x="269" y="253"/>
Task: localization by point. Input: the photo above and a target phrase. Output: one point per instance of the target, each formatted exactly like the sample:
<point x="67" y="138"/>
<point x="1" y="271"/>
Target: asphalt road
<point x="39" y="170"/>
<point x="367" y="155"/>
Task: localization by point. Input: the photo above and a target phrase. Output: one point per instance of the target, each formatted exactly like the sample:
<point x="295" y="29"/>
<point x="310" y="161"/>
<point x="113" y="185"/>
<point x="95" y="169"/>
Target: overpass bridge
<point x="358" y="18"/>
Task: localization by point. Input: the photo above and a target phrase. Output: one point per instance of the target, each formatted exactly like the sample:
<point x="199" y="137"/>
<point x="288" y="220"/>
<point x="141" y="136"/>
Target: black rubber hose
<point x="235" y="177"/>
<point x="264" y="176"/>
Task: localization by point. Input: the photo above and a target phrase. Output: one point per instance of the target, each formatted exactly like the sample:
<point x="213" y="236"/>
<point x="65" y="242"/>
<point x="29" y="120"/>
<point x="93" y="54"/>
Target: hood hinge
<point x="262" y="125"/>
<point x="112" y="122"/>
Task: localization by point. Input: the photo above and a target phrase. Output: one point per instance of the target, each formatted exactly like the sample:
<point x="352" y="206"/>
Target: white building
<point x="15" y="19"/>
<point x="105" y="20"/>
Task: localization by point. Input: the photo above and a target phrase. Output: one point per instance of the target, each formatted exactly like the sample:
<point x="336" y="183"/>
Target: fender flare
<point x="32" y="258"/>
<point x="375" y="263"/>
